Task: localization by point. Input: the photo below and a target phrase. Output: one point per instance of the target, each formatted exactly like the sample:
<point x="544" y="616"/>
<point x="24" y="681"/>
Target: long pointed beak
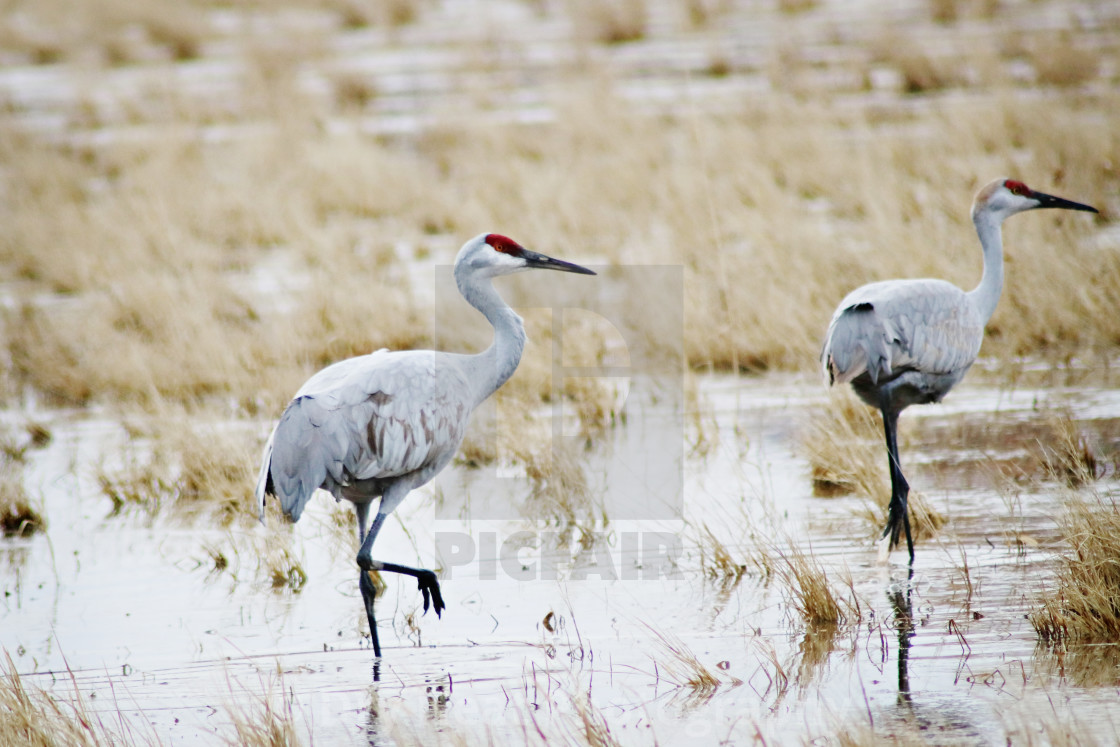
<point x="545" y="262"/>
<point x="1050" y="201"/>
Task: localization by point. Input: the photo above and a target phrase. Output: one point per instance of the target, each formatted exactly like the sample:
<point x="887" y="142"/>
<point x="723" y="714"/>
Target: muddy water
<point x="134" y="609"/>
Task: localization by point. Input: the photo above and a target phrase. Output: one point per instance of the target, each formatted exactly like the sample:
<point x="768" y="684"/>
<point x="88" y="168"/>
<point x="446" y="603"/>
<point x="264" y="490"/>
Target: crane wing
<point x="885" y="329"/>
<point x="380" y="416"/>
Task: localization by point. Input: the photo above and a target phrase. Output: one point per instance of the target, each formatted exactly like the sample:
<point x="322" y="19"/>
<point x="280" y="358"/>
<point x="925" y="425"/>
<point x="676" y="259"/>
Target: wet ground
<point x="147" y="626"/>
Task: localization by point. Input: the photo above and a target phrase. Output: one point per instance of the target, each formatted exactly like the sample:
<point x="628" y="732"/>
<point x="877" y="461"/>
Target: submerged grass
<point x="19" y="517"/>
<point x="1085" y="605"/>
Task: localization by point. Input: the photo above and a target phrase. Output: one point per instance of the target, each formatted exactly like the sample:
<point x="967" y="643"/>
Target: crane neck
<point x="985" y="296"/>
<point x="492" y="367"/>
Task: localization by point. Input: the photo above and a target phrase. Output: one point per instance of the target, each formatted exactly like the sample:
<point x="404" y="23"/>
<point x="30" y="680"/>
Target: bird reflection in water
<point x="902" y="605"/>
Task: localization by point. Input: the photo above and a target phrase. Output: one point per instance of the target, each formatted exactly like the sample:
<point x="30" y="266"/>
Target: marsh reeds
<point x="810" y="592"/>
<point x="263" y="718"/>
<point x="34" y="717"/>
<point x="1084" y="605"/>
<point x="683" y="667"/>
<point x="193" y="474"/>
<point x="717" y="560"/>
<point x="843" y="441"/>
<point x="132" y="331"/>
<point x="1068" y="453"/>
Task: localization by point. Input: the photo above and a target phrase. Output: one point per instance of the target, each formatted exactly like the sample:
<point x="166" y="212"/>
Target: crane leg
<point x="898" y="514"/>
<point x="426" y="579"/>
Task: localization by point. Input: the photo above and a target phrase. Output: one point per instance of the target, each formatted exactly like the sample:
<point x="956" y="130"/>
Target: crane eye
<point x="1017" y="188"/>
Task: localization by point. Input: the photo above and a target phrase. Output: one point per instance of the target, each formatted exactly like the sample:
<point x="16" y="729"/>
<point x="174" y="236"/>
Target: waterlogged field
<point x="674" y="630"/>
<point x="661" y="530"/>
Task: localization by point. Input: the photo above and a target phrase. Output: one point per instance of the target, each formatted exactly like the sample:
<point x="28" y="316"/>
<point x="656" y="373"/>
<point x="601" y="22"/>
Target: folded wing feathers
<point x="927" y="326"/>
<point x="371" y="417"/>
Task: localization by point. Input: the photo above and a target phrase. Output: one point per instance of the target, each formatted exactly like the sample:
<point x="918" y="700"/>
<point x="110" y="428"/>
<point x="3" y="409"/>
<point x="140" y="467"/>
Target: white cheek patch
<point x="506" y="262"/>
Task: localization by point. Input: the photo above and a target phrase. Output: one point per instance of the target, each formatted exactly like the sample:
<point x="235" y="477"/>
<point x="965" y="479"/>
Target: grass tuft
<point x="610" y="21"/>
<point x="268" y="720"/>
<point x="18" y="517"/>
<point x="811" y="594"/>
<point x="844" y="444"/>
<point x="717" y="561"/>
<point x="34" y="717"/>
<point x="684" y="668"/>
<point x="1069" y="453"/>
<point x="1085" y="606"/>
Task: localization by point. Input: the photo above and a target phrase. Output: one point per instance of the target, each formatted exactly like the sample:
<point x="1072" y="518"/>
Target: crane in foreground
<point x="906" y="342"/>
<point x="381" y="425"/>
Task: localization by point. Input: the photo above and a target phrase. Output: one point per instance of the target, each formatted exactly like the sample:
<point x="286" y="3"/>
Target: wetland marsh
<point x="649" y="536"/>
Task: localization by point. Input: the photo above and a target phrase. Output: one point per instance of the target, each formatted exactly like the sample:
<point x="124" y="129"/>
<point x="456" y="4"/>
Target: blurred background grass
<point x="203" y="202"/>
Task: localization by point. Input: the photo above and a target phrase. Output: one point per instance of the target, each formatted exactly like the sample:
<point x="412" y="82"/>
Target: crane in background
<point x="906" y="342"/>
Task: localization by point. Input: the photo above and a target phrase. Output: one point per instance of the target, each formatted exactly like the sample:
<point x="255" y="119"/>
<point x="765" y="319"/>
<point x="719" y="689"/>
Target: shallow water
<point x="129" y="605"/>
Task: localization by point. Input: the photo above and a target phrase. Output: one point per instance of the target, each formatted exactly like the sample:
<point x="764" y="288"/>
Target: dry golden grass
<point x="36" y="718"/>
<point x="1085" y="605"/>
<point x="160" y="311"/>
<point x="1067" y="452"/>
<point x="843" y="442"/>
<point x="1058" y="63"/>
<point x="267" y="720"/>
<point x="717" y="561"/>
<point x="796" y="6"/>
<point x="810" y="592"/>
<point x="609" y="21"/>
<point x="192" y="474"/>
<point x="683" y="668"/>
<point x="111" y="32"/>
<point x="596" y="731"/>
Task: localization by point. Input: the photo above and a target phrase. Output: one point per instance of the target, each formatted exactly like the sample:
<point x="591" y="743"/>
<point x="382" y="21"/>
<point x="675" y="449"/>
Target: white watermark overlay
<point x="544" y="556"/>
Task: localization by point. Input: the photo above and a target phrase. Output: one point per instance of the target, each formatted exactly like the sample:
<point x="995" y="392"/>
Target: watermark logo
<point x="532" y="556"/>
<point x="622" y="331"/>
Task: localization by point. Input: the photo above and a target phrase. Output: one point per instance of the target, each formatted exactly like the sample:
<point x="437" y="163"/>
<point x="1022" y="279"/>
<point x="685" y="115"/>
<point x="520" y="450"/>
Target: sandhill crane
<point x="906" y="342"/>
<point x="383" y="424"/>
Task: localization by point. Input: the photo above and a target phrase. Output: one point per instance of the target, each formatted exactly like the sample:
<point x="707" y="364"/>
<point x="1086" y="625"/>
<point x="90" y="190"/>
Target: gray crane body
<point x="914" y="338"/>
<point x="374" y="426"/>
<point x="384" y="424"/>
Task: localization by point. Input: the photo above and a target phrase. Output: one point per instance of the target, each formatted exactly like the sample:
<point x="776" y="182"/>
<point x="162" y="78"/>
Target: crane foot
<point x="429" y="587"/>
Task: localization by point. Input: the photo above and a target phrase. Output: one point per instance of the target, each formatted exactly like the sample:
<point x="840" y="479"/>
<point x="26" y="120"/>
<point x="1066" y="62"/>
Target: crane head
<point x="492" y="254"/>
<point x="1004" y="197"/>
